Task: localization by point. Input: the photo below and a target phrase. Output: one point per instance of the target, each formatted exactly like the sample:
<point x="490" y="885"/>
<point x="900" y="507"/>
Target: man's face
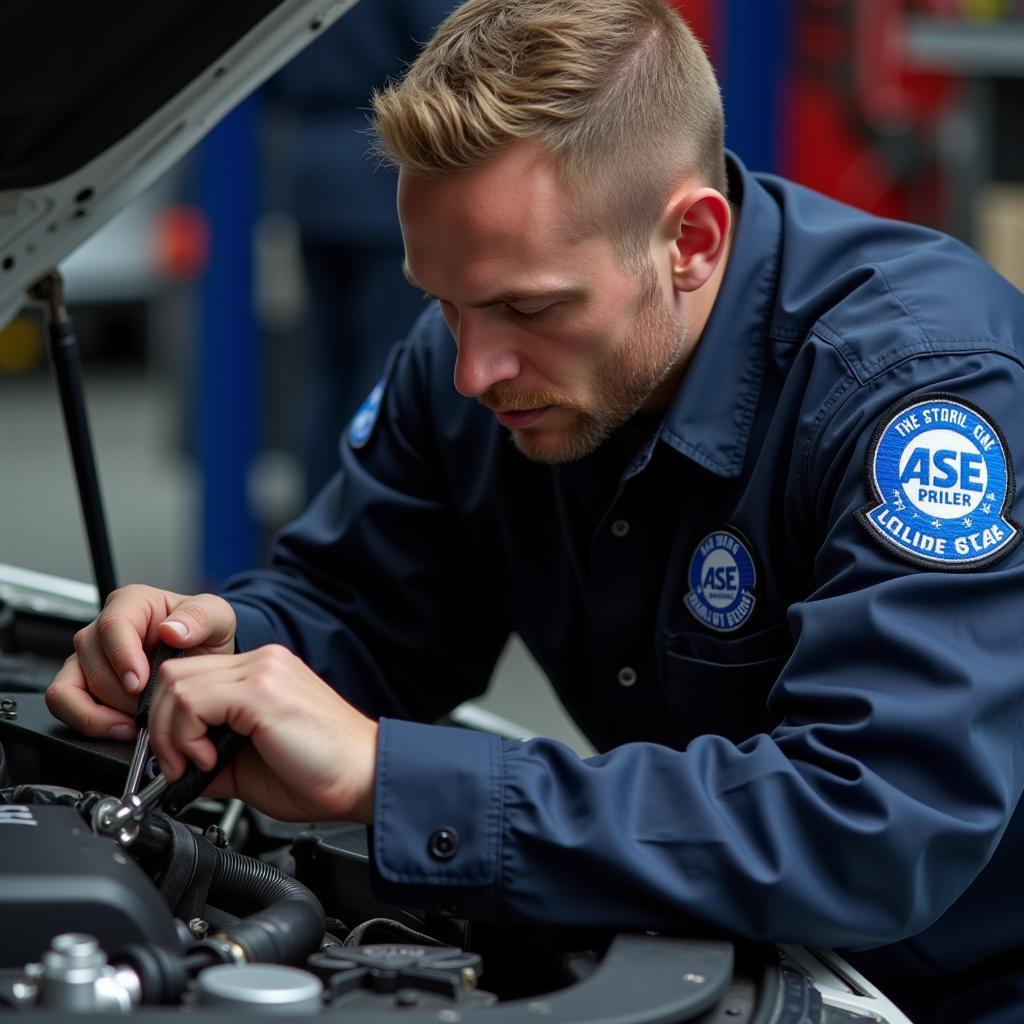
<point x="555" y="335"/>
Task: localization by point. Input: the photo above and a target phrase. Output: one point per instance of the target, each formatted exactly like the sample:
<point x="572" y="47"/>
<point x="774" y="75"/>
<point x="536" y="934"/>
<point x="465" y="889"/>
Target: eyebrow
<point x="507" y="297"/>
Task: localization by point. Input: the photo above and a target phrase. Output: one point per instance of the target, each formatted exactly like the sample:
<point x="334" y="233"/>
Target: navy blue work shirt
<point x="810" y="712"/>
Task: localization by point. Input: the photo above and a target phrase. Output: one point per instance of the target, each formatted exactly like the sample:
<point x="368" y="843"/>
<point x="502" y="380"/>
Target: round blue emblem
<point x="722" y="581"/>
<point x="362" y="424"/>
<point x="942" y="485"/>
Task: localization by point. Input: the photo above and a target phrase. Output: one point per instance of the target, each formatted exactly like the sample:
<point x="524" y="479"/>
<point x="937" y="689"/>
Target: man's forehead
<point x="518" y="195"/>
<point x="492" y="288"/>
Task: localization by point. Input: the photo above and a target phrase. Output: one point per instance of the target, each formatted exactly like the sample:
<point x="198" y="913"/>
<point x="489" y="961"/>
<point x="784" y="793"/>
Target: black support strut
<point x="67" y="368"/>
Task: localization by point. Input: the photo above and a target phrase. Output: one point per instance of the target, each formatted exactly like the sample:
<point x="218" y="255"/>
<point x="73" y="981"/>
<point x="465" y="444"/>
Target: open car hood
<point x="102" y="98"/>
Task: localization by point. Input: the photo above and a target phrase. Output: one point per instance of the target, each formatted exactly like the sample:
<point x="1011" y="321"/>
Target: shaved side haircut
<point x="620" y="92"/>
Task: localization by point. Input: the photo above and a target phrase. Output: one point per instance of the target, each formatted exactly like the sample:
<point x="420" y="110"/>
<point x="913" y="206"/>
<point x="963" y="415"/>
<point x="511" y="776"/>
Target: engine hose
<point x="40" y="796"/>
<point x="283" y="922"/>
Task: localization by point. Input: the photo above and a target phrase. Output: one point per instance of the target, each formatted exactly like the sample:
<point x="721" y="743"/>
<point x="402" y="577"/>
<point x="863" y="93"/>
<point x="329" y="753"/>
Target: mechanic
<point x="758" y="524"/>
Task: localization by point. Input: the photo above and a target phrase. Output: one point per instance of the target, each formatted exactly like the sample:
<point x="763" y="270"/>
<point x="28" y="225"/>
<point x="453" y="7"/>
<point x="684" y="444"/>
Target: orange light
<point x="182" y="242"/>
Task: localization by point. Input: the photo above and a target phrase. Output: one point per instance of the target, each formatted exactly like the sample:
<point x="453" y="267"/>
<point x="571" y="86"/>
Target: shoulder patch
<point x="361" y="427"/>
<point x="942" y="485"/>
<point x="723" y="579"/>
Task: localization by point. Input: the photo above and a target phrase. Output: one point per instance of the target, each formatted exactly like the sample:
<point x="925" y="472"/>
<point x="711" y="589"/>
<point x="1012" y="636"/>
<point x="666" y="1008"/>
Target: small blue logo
<point x="942" y="485"/>
<point x="722" y="581"/>
<point x="361" y="427"/>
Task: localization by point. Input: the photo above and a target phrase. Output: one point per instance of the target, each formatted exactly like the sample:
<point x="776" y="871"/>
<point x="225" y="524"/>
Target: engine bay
<point x="222" y="912"/>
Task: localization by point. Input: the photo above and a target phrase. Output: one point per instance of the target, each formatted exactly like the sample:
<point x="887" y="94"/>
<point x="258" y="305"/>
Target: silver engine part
<point x="74" y="975"/>
<point x="261" y="988"/>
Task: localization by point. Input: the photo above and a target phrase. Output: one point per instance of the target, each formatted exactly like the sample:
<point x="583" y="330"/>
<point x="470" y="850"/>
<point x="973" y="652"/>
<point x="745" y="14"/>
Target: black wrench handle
<point x="194" y="780"/>
<point x="163" y="653"/>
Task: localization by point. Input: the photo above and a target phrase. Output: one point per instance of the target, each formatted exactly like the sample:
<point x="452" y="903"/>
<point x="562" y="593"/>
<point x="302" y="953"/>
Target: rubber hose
<point x="283" y="921"/>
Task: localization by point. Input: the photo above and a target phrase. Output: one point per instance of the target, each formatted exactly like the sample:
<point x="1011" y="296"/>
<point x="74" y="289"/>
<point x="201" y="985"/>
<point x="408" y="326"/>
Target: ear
<point x="696" y="227"/>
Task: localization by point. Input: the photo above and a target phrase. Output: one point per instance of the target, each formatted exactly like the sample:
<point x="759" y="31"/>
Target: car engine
<point x="223" y="912"/>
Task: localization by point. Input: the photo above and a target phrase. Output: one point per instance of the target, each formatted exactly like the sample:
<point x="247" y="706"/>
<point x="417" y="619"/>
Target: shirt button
<point x="627" y="676"/>
<point x="620" y="528"/>
<point x="443" y="843"/>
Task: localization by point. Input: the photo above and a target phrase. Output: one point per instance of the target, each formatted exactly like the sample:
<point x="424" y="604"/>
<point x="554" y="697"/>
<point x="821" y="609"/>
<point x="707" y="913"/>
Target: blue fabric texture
<point x="843" y="768"/>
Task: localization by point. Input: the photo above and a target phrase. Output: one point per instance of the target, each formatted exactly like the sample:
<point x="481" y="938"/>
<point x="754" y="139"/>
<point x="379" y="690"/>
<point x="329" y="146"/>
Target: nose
<point x="485" y="357"/>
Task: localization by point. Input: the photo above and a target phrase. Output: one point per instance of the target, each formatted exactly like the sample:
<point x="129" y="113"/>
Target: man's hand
<point x="97" y="689"/>
<point x="312" y="757"/>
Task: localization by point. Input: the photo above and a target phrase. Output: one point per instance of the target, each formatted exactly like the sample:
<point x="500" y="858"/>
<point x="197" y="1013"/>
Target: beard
<point x="622" y="382"/>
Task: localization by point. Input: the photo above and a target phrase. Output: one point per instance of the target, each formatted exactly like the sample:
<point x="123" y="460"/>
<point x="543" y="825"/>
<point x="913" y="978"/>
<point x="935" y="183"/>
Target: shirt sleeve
<point x="375" y="586"/>
<point x="881" y="794"/>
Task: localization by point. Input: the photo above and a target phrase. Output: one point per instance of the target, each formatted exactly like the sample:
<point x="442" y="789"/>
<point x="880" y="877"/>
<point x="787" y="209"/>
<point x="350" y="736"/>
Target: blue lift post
<point x="756" y="44"/>
<point x="229" y="360"/>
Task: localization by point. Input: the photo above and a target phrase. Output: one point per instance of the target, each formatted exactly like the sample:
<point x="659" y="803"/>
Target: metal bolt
<point x="76" y="946"/>
<point x="127" y="981"/>
<point x="468" y="976"/>
<point x="110" y="817"/>
<point x="199" y="928"/>
<point x="8" y="708"/>
<point x="23" y="991"/>
<point x="215" y="834"/>
<point x="227" y="948"/>
<point x="72" y="967"/>
<point x="627" y="675"/>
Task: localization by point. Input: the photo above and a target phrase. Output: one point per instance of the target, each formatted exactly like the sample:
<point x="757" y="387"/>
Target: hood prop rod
<point x="67" y="367"/>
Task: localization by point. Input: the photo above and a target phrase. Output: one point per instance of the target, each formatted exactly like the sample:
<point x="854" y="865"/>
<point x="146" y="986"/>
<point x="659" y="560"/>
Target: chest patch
<point x="722" y="581"/>
<point x="361" y="427"/>
<point x="942" y="485"/>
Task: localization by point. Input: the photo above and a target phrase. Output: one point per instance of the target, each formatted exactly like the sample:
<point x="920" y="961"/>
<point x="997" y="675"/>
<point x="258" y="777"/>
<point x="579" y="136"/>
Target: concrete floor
<point x="150" y="494"/>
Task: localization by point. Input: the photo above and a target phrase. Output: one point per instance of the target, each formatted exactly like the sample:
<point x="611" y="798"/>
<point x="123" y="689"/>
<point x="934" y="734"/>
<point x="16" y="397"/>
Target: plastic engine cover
<point x="57" y="876"/>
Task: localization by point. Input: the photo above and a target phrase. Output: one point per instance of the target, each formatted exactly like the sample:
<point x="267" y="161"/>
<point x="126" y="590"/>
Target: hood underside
<point x="101" y="98"/>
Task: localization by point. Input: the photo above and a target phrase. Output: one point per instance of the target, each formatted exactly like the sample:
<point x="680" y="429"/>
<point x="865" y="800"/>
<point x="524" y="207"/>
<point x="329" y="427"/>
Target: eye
<point x="535" y="314"/>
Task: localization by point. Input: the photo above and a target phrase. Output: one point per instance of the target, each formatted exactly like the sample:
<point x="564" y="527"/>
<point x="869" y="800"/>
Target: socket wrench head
<point x="116" y="819"/>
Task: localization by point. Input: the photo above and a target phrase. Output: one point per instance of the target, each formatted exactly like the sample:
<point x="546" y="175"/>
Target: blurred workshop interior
<point x="201" y="309"/>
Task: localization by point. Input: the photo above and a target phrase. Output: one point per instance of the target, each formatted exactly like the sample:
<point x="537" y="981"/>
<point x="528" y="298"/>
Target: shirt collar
<point x="710" y="417"/>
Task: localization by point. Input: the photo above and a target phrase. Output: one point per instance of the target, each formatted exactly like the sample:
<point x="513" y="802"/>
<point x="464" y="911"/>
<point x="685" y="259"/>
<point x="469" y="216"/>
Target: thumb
<point x="205" y="621"/>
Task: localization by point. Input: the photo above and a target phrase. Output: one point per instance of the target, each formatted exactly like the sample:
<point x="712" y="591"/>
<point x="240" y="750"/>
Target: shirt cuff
<point x="252" y="628"/>
<point x="436" y="838"/>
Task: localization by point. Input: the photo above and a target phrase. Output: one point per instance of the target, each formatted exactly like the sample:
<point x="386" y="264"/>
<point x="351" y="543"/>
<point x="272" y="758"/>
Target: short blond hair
<point x="620" y="92"/>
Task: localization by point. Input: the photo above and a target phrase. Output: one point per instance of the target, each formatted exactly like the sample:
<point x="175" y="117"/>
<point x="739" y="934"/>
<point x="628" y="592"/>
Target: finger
<point x="68" y="700"/>
<point x="174" y="679"/>
<point x="205" y="621"/>
<point x="225" y="665"/>
<point x="183" y="711"/>
<point x="249" y="778"/>
<point x="114" y="645"/>
<point x="100" y="678"/>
